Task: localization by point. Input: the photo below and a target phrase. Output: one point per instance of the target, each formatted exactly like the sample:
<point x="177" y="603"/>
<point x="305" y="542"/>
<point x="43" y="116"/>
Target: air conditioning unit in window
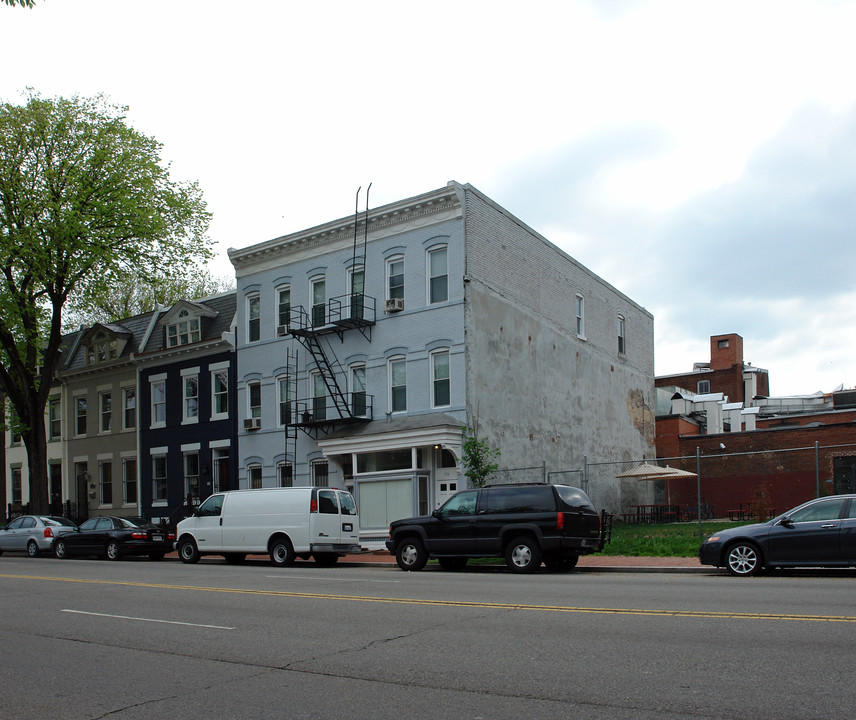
<point x="282" y="330"/>
<point x="394" y="305"/>
<point x="252" y="423"/>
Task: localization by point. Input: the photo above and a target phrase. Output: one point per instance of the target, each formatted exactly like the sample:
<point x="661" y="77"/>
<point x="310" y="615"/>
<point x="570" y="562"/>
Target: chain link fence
<point x="711" y="491"/>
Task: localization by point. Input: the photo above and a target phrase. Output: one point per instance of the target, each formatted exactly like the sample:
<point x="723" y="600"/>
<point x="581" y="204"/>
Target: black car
<point x="819" y="533"/>
<point x="113" y="537"/>
<point x="524" y="523"/>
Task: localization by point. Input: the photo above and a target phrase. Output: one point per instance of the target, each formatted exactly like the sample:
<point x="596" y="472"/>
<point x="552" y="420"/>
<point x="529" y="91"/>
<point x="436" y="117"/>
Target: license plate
<point x="157" y="538"/>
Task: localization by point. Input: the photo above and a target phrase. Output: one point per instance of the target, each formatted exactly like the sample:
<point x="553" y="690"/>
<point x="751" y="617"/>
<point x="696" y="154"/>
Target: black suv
<point x="523" y="523"/>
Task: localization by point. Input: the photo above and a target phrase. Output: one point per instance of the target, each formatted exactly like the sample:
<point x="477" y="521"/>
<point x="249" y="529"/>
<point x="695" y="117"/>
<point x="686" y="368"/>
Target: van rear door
<point x="335" y="525"/>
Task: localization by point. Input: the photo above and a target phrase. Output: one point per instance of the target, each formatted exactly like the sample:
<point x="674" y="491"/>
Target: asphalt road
<point x="139" y="639"/>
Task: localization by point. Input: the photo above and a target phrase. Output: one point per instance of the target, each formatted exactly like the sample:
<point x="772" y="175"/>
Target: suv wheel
<point x="523" y="555"/>
<point x="410" y="554"/>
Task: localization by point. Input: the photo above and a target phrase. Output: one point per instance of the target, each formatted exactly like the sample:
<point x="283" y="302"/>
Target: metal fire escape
<point x="319" y="414"/>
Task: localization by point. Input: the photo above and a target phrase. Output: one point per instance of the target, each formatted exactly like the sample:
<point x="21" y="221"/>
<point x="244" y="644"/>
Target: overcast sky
<point x="700" y="157"/>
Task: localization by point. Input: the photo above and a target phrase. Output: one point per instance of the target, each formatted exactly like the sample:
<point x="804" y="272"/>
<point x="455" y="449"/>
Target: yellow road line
<point x="455" y="603"/>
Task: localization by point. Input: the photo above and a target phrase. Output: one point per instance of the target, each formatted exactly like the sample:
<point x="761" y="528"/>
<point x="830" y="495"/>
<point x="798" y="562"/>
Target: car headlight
<point x="712" y="538"/>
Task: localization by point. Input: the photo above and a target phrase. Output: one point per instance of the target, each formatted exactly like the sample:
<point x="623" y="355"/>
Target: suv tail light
<point x="560" y="521"/>
<point x="48" y="532"/>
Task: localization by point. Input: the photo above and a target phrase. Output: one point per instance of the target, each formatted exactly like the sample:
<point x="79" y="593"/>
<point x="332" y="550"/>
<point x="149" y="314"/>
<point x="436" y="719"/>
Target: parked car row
<point x="109" y="537"/>
<point x="525" y="524"/>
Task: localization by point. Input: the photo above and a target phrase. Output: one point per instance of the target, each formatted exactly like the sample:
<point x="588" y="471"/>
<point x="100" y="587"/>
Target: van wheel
<point x="410" y="554"/>
<point x="523" y="555"/>
<point x="282" y="553"/>
<point x="188" y="552"/>
<point x="326" y="559"/>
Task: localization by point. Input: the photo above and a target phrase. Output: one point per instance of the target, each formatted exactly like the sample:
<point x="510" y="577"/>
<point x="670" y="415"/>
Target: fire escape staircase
<point x="321" y="415"/>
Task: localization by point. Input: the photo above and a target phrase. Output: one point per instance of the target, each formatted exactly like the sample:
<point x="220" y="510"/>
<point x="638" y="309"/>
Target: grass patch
<point x="663" y="540"/>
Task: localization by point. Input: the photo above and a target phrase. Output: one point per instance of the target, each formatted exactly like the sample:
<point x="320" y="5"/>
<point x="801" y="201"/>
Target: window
<point x="703" y="387"/>
<point x="158" y="402"/>
<point x="438" y="276"/>
<point x="105" y="472"/>
<point x="80" y="416"/>
<point x="356" y="280"/>
<point x="320" y="474"/>
<point x="105" y="402"/>
<point x="54" y="419"/>
<point x="823" y="510"/>
<point x="191" y="474"/>
<point x="220" y="392"/>
<point x="464" y="503"/>
<point x="103" y="348"/>
<point x="621" y="343"/>
<point x="253" y="318"/>
<point x="397" y="385"/>
<point x="184" y="331"/>
<point x="254" y="476"/>
<point x="285" y="473"/>
<point x="284" y="395"/>
<point x="319" y="302"/>
<point x="319" y="397"/>
<point x="254" y="399"/>
<point x="721" y="344"/>
<point x="129" y="408"/>
<point x="283" y="306"/>
<point x="159" y="478"/>
<point x="212" y="507"/>
<point x="129" y="470"/>
<point x="395" y="277"/>
<point x="191" y="398"/>
<point x="440" y="379"/>
<point x="327" y="504"/>
<point x="16" y="486"/>
<point x="581" y="316"/>
<point x="358" y="391"/>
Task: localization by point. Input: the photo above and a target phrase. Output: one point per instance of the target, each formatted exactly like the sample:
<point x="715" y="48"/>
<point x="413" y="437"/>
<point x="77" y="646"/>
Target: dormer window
<point x="184" y="331"/>
<point x="103" y="348"/>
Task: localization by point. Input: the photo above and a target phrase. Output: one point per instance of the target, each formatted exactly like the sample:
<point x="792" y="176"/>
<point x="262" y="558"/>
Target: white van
<point x="286" y="523"/>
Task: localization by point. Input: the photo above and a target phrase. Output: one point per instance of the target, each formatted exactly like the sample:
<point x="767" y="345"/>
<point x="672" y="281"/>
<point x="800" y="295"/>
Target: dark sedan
<point x="819" y="533"/>
<point x="113" y="537"/>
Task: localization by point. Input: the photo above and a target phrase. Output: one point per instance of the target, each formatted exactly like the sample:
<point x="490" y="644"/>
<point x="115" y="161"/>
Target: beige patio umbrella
<point x="647" y="471"/>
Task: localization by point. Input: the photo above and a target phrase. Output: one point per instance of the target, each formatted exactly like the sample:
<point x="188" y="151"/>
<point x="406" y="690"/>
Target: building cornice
<point x="418" y="211"/>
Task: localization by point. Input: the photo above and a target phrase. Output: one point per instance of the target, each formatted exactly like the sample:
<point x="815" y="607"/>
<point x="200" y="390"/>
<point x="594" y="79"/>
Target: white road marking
<point x="153" y="620"/>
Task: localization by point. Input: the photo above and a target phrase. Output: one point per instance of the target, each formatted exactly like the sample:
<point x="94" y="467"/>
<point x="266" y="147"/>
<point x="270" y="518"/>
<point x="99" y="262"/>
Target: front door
<point x="445" y="490"/>
<point x="209" y="525"/>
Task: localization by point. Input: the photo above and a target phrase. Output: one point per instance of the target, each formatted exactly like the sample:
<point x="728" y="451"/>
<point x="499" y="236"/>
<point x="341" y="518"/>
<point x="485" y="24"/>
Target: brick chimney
<point x="726" y="351"/>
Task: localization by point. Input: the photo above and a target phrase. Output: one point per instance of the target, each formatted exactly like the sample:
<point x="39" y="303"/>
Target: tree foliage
<point x="478" y="458"/>
<point x="22" y="3"/>
<point x="85" y="201"/>
<point x="135" y="296"/>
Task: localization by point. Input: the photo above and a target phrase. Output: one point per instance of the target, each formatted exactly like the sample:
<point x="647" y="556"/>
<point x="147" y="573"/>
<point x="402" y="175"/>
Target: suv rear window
<point x="521" y="499"/>
<point x="574" y="497"/>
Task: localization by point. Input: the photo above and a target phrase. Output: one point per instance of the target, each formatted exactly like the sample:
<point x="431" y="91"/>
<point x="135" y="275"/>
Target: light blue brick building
<point x="364" y="345"/>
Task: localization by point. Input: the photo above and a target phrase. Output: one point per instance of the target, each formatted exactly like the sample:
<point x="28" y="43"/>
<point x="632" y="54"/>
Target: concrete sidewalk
<point x="606" y="563"/>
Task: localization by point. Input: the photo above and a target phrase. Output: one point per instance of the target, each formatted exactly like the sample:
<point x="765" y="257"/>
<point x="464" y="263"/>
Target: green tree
<point x="135" y="295"/>
<point x="478" y="458"/>
<point x="22" y="3"/>
<point x="85" y="200"/>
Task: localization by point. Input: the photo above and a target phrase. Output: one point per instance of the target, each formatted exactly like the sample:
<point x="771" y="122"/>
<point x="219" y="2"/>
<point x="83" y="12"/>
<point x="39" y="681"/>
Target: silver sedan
<point x="33" y="534"/>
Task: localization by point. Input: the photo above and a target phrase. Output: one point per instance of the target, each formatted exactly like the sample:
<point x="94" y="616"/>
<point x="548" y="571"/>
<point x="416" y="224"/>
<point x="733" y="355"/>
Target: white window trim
<point x="580" y="316"/>
<point x="154" y="380"/>
<point x="251" y="383"/>
<point x="277" y="290"/>
<point x="101" y="394"/>
<point x="389" y="261"/>
<point x="389" y="363"/>
<point x="253" y="296"/>
<point x="428" y="254"/>
<point x="186" y="374"/>
<point x="433" y="378"/>
<point x="277" y="381"/>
